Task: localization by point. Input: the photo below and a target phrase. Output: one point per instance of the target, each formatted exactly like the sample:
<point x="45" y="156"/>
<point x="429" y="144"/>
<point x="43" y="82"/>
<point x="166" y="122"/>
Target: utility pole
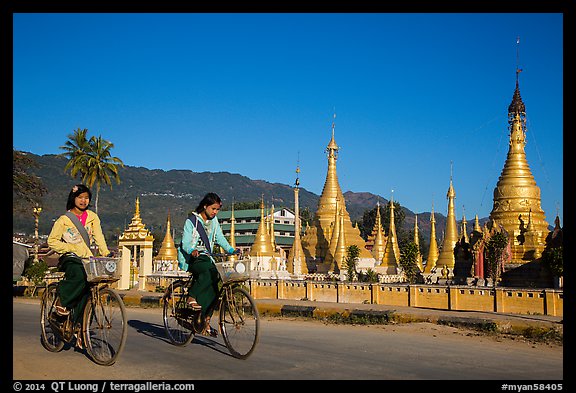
<point x="37" y="211"/>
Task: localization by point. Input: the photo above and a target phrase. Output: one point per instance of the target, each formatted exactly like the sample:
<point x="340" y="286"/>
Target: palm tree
<point x="77" y="147"/>
<point x="91" y="160"/>
<point x="101" y="167"/>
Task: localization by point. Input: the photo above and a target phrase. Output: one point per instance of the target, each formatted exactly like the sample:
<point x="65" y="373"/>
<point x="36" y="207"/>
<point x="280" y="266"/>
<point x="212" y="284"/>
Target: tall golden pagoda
<point x="516" y="196"/>
<point x="391" y="258"/>
<point x="168" y="251"/>
<point x="316" y="239"/>
<point x="464" y="230"/>
<point x="433" y="249"/>
<point x="339" y="260"/>
<point x="446" y="257"/>
<point x="333" y="233"/>
<point x="417" y="242"/>
<point x="296" y="258"/>
<point x="262" y="246"/>
<point x="477" y="227"/>
<point x="379" y="240"/>
<point x="271" y="228"/>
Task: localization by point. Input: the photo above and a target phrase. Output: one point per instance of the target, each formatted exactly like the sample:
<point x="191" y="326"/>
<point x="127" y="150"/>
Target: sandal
<point x="210" y="331"/>
<point x="60" y="309"/>
<point x="193" y="304"/>
<point x="78" y="341"/>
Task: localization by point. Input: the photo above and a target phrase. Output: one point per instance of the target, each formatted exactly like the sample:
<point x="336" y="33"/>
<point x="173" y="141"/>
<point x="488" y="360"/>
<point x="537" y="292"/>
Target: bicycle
<point x="239" y="320"/>
<point x="103" y="327"/>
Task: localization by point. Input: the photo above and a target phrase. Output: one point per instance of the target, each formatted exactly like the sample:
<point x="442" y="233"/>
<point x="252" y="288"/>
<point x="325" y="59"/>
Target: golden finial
<point x="297" y="182"/>
<point x="332" y="147"/>
<point x="518" y="69"/>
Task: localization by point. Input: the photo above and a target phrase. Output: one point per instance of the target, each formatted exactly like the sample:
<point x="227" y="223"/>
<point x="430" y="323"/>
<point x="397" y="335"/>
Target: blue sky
<point x="255" y="94"/>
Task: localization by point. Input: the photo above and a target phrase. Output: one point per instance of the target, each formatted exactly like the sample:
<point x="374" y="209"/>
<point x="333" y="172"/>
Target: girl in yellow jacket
<point x="66" y="240"/>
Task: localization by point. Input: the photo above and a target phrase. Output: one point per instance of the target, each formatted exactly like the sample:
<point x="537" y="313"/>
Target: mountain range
<point x="177" y="192"/>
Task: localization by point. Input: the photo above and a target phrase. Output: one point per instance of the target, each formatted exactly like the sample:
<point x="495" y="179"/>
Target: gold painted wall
<point x="457" y="298"/>
<point x="354" y="293"/>
<point x="472" y="299"/>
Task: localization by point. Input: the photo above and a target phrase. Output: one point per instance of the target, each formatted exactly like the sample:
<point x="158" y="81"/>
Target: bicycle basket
<point x="101" y="269"/>
<point x="232" y="271"/>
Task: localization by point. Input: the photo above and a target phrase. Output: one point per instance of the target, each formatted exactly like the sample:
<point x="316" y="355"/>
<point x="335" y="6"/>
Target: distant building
<point x="246" y="223"/>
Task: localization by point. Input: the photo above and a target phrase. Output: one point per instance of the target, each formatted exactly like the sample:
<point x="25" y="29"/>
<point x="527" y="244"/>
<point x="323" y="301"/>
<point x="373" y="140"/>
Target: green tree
<point x="36" y="272"/>
<point x="76" y="151"/>
<point x="366" y="224"/>
<point x="305" y="216"/>
<point x="409" y="260"/>
<point x="27" y="189"/>
<point x="553" y="259"/>
<point x="243" y="206"/>
<point x="101" y="166"/>
<point x="92" y="160"/>
<point x="352" y="254"/>
<point x="495" y="254"/>
<point x="369" y="276"/>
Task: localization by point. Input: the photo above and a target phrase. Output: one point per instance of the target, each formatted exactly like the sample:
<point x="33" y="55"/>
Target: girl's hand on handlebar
<point x="194" y="253"/>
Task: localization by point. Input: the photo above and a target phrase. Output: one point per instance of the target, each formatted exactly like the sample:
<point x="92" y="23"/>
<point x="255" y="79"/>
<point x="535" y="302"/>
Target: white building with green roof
<point x="246" y="224"/>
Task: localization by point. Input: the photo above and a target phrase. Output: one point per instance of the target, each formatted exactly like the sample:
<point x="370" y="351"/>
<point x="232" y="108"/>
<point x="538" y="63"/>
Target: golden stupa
<point x="516" y="196"/>
<point x="417" y="242"/>
<point x="378" y="239"/>
<point x="168" y="251"/>
<point x="262" y="246"/>
<point x="446" y="257"/>
<point x="391" y="259"/>
<point x="316" y="241"/>
<point x="433" y="249"/>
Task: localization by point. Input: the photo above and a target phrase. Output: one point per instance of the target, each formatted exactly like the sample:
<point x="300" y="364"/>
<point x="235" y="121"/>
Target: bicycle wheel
<point x="105" y="326"/>
<point x="51" y="339"/>
<point x="177" y="315"/>
<point x="239" y="322"/>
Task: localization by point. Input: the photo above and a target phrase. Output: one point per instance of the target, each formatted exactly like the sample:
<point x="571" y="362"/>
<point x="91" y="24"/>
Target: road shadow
<point x="157" y="332"/>
<point x="149" y="329"/>
<point x="70" y="346"/>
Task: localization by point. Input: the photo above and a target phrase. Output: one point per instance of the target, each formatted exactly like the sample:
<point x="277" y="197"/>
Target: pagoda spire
<point x="477" y="224"/>
<point x="464" y="234"/>
<point x="262" y="246"/>
<point x="168" y="249"/>
<point x="516" y="195"/>
<point x="316" y="239"/>
<point x="433" y="249"/>
<point x="379" y="238"/>
<point x="340" y="249"/>
<point x="392" y="252"/>
<point x="334" y="234"/>
<point x="272" y="236"/>
<point x="331" y="191"/>
<point x="417" y="242"/>
<point x="446" y="257"/>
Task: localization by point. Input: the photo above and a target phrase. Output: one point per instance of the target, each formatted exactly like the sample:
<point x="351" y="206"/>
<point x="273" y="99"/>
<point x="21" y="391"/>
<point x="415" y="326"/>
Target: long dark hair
<point x="77" y="190"/>
<point x="209" y="199"/>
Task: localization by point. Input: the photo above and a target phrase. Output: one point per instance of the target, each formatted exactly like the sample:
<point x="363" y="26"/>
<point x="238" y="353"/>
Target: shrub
<point x="553" y="259"/>
<point x="36" y="272"/>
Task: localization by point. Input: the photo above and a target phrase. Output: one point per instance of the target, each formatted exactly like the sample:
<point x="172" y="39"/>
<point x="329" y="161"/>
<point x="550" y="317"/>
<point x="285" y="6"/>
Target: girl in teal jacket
<point x="193" y="254"/>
